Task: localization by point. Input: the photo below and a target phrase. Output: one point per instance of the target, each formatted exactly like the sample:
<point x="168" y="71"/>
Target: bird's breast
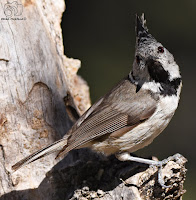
<point x="143" y="134"/>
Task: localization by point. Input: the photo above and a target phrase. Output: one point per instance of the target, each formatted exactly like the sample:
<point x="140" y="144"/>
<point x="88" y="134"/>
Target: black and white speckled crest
<point x="142" y="30"/>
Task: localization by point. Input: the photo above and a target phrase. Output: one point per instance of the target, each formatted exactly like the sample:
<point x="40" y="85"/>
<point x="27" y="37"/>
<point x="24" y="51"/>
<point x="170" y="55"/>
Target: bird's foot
<point x="160" y="165"/>
<point x="125" y="156"/>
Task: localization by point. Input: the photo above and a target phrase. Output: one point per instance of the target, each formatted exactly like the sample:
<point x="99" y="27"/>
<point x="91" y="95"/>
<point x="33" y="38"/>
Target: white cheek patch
<point x="152" y="86"/>
<point x="172" y="68"/>
<point x="174" y="71"/>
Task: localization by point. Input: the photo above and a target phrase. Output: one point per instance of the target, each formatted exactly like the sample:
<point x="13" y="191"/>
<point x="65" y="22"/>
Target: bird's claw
<point x="160" y="165"/>
<point x="160" y="178"/>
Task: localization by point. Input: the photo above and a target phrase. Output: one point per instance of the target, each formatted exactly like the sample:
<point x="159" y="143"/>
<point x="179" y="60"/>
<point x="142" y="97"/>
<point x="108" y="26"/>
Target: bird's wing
<point x="122" y="107"/>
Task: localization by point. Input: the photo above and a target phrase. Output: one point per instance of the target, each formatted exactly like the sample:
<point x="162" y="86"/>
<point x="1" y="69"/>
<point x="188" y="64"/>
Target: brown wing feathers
<point x="111" y="122"/>
<point x="110" y="125"/>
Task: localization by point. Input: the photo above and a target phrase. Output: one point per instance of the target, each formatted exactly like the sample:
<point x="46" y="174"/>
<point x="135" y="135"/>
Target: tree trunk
<point x="35" y="76"/>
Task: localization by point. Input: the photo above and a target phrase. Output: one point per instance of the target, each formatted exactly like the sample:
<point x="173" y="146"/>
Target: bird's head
<point x="153" y="62"/>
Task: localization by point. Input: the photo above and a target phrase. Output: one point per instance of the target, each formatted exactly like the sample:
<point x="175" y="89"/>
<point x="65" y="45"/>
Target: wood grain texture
<point x="35" y="76"/>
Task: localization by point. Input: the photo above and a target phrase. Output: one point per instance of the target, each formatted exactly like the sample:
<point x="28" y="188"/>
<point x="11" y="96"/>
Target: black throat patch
<point x="170" y="88"/>
<point x="160" y="75"/>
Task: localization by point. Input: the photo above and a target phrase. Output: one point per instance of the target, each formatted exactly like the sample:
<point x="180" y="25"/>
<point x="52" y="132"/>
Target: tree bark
<point x="35" y="77"/>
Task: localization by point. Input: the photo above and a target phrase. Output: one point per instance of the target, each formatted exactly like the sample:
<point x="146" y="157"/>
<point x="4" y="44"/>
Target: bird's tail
<point x="56" y="146"/>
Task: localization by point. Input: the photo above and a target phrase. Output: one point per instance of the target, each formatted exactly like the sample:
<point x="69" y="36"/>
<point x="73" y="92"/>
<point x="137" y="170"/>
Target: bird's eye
<point x="160" y="49"/>
<point x="138" y="59"/>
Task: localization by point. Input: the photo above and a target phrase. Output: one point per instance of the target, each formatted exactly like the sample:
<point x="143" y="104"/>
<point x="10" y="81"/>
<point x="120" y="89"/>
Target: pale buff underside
<point x="143" y="134"/>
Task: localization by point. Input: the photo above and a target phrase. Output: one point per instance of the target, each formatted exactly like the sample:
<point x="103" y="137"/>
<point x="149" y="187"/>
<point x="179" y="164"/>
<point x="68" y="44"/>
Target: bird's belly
<point x="143" y="134"/>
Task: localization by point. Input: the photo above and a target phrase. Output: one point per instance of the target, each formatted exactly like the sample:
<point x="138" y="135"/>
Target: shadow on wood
<point x="90" y="176"/>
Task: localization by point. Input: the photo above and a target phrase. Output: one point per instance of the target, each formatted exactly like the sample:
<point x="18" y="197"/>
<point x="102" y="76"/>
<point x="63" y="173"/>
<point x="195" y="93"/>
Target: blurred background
<point x="102" y="35"/>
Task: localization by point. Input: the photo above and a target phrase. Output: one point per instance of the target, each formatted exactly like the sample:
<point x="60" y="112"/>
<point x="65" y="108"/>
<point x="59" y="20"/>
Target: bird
<point x="133" y="113"/>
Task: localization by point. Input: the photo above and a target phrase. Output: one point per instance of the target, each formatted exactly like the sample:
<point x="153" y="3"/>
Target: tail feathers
<point x="56" y="146"/>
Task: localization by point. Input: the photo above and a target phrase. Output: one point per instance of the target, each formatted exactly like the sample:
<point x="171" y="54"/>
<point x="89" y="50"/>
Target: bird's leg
<point x="125" y="156"/>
